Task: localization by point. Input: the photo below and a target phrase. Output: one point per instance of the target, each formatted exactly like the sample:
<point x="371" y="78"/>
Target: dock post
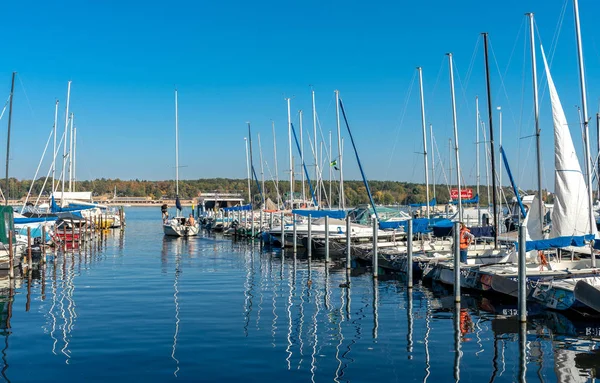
<point x="29" y="258"/>
<point x="295" y="234"/>
<point x="375" y="255"/>
<point x="348" y="244"/>
<point x="122" y="218"/>
<point x="43" y="245"/>
<point x="282" y="232"/>
<point x="11" y="259"/>
<point x="252" y="223"/>
<point x="309" y="237"/>
<point x="326" y="239"/>
<point x="522" y="277"/>
<point x="260" y="225"/>
<point x="409" y="255"/>
<point x="245" y="232"/>
<point x="72" y="234"/>
<point x="456" y="262"/>
<point x="79" y="238"/>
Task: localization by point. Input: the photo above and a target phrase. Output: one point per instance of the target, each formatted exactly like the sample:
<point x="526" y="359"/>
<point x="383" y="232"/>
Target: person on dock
<point x="465" y="240"/>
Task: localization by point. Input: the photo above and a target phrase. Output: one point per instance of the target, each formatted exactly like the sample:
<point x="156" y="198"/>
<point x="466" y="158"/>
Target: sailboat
<point x="179" y="226"/>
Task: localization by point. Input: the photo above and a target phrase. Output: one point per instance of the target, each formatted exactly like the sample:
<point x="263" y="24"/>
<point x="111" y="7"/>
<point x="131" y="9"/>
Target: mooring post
<point x="326" y="239"/>
<point x="11" y="259"/>
<point x="79" y="238"/>
<point x="72" y="234"/>
<point x="43" y="245"/>
<point x="260" y="228"/>
<point x="252" y="223"/>
<point x="522" y="276"/>
<point x="122" y="218"/>
<point x="375" y="255"/>
<point x="282" y="232"/>
<point x="295" y="235"/>
<point x="309" y="237"/>
<point x="456" y="262"/>
<point x="29" y="258"/>
<point x="348" y="244"/>
<point x="409" y="255"/>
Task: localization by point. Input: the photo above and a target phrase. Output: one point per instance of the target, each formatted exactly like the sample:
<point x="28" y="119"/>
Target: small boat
<point x="178" y="226"/>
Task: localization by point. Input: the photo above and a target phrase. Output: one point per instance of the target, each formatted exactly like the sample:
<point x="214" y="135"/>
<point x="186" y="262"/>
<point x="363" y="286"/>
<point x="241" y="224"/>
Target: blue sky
<point x="235" y="61"/>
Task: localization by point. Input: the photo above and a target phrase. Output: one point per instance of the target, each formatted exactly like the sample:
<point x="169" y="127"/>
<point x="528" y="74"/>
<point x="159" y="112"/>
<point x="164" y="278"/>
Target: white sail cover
<point x="570" y="216"/>
<point x="532" y="223"/>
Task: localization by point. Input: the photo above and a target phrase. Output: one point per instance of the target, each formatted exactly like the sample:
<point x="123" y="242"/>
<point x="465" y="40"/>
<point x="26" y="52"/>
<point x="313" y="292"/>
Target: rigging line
<point x="406" y="99"/>
<point x="437" y="80"/>
<point x="37" y="170"/>
<point x="502" y="84"/>
<point x="25" y="93"/>
<point x="472" y="63"/>
<point x="4" y="109"/>
<point x="462" y="88"/>
<point x="441" y="166"/>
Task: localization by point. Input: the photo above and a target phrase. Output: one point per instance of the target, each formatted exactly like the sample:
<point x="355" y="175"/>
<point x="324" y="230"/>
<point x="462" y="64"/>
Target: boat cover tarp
<point x="239" y="208"/>
<point x="84" y="196"/>
<point x="482" y="231"/>
<point x="337" y="214"/>
<point x="473" y="200"/>
<point x="433" y="202"/>
<point x="420" y="225"/>
<point x="558" y="242"/>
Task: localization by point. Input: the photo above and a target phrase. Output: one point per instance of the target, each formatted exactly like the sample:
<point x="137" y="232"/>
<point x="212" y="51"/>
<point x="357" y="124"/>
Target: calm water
<point x="139" y="307"/>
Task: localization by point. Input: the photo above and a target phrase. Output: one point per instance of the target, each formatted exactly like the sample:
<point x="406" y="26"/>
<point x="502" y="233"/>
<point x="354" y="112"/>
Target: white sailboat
<point x="179" y="226"/>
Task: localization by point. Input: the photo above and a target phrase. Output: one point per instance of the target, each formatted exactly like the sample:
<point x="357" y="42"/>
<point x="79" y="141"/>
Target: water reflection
<point x="298" y="320"/>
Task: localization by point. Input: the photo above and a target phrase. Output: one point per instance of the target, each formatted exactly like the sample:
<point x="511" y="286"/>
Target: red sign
<point x="464" y="193"/>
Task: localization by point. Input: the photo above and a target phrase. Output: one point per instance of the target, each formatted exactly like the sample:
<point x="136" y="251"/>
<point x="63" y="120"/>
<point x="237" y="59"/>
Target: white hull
<point x="175" y="229"/>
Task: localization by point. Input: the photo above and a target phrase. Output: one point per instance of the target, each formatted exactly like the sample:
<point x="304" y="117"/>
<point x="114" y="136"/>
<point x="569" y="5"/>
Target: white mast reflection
<point x="176" y="301"/>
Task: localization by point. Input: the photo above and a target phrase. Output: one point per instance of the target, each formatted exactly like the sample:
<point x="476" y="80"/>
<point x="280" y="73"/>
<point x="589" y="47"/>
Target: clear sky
<point x="235" y="61"/>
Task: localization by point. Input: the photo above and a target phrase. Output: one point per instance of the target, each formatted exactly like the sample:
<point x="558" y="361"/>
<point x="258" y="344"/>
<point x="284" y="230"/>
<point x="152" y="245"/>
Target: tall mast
<point x="492" y="150"/>
<point x="499" y="108"/>
<point x="64" y="164"/>
<point x="12" y="93"/>
<point x="248" y="170"/>
<point x="302" y="157"/>
<point x="279" y="202"/>
<point x="71" y="155"/>
<point x="291" y="158"/>
<point x="339" y="134"/>
<point x="74" y="155"/>
<point x="588" y="164"/>
<point x="477" y="161"/>
<point x="54" y="151"/>
<point x="314" y="116"/>
<point x="262" y="172"/>
<point x="598" y="135"/>
<point x="330" y="175"/>
<point x="424" y="140"/>
<point x="536" y="112"/>
<point x="176" y="145"/>
<point x="460" y="212"/>
<point x="432" y="160"/>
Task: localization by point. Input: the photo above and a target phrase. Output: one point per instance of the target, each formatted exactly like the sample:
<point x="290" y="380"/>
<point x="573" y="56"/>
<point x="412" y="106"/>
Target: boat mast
<point x="330" y="172"/>
<point x="291" y="158"/>
<point x="64" y="164"/>
<point x="432" y="160"/>
<point x="339" y="134"/>
<point x="598" y="166"/>
<point x="12" y="93"/>
<point x="492" y="150"/>
<point x="74" y="154"/>
<point x="424" y="140"/>
<point x="279" y="202"/>
<point x="588" y="164"/>
<point x="71" y="155"/>
<point x="477" y="157"/>
<point x="262" y="171"/>
<point x="248" y="170"/>
<point x="536" y="112"/>
<point x="499" y="108"/>
<point x="302" y="158"/>
<point x="176" y="146"/>
<point x="460" y="212"/>
<point x="314" y="115"/>
<point x="54" y="151"/>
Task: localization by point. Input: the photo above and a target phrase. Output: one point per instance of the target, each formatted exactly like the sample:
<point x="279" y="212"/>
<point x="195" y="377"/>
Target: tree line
<point x="384" y="192"/>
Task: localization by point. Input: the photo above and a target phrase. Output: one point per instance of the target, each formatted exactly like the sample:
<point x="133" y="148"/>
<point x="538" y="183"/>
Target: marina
<point x="273" y="315"/>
